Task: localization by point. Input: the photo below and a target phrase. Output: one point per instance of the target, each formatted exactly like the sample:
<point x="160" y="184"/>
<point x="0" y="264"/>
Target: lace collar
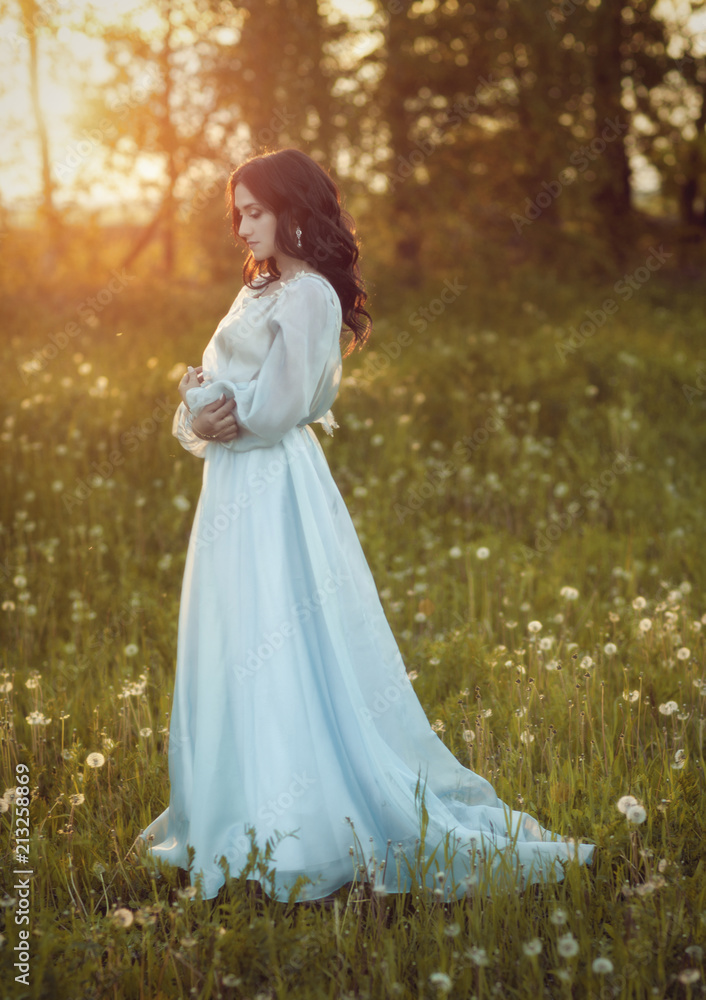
<point x="273" y="295"/>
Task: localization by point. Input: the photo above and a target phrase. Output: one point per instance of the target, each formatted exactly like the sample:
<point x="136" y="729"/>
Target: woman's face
<point x="257" y="224"/>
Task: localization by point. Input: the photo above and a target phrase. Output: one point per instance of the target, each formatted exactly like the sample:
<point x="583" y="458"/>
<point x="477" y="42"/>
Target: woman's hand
<point x="216" y="422"/>
<point x="191" y="380"/>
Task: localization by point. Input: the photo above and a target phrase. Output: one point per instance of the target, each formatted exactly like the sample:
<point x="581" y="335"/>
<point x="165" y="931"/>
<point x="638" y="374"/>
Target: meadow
<point x="525" y="466"/>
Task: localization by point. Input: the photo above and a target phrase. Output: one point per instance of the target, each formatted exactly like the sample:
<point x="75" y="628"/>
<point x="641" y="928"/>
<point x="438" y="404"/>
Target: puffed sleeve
<point x="300" y="376"/>
<point x="181" y="429"/>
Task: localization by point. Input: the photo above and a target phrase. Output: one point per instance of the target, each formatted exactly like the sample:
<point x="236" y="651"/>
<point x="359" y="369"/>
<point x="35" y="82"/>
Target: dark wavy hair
<point x="300" y="192"/>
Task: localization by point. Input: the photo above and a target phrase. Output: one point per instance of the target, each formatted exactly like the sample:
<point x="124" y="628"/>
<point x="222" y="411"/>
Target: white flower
<point x="668" y="708"/>
<point x="679" y="760"/>
<point x="587" y="662"/>
<point x="533" y="947"/>
<point x="567" y="946"/>
<point x="534" y="626"/>
<point x="570" y="593"/>
<point x="122" y="916"/>
<point x="636" y="814"/>
<point x="95" y="760"/>
<point x="131" y="649"/>
<point x="441" y="980"/>
<point x="688" y="976"/>
<point x="626" y="802"/>
<point x="639" y="603"/>
<point x="477" y="955"/>
<point x="456" y="552"/>
<point x="546" y="642"/>
<point x="645" y="624"/>
<point x="602" y="966"/>
<point x="631" y="695"/>
<point x="610" y="649"/>
<point x="559" y="916"/>
<point x="527" y="737"/>
<point x="180" y="502"/>
<point x="683" y="653"/>
<point x="482" y="552"/>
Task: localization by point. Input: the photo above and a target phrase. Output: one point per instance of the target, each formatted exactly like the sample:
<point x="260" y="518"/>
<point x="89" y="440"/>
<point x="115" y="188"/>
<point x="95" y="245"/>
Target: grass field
<point x="529" y="486"/>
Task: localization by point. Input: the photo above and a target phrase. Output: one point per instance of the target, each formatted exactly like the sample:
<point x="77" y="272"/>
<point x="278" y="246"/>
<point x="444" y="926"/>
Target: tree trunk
<point x="612" y="197"/>
<point x="48" y="209"/>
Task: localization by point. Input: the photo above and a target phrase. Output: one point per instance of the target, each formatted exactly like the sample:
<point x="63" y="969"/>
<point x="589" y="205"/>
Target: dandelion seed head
<point x="626" y="802"/>
<point x="482" y="552"/>
<point x="95" y="759"/>
<point x="610" y="649"/>
<point x="602" y="966"/>
<point x="689" y="976"/>
<point x="639" y="603"/>
<point x="123" y="917"/>
<point x="567" y="945"/>
<point x="569" y="593"/>
<point x="534" y="626"/>
<point x="684" y="653"/>
<point x="532" y="947"/>
<point x="559" y="916"/>
<point x="456" y="552"/>
<point x="442" y="981"/>
<point x="636" y="814"/>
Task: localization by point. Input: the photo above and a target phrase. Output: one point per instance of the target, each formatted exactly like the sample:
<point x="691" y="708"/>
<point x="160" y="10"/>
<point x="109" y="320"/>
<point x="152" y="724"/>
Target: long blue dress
<point x="293" y="712"/>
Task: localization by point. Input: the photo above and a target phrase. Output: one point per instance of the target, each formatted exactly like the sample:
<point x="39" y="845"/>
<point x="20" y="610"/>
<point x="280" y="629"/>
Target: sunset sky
<point x="72" y="58"/>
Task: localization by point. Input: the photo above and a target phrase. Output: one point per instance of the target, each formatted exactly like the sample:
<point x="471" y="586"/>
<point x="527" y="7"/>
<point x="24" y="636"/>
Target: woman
<point x="292" y="710"/>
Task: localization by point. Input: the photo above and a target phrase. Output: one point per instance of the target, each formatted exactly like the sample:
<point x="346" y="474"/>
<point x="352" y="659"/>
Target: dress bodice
<point x="278" y="354"/>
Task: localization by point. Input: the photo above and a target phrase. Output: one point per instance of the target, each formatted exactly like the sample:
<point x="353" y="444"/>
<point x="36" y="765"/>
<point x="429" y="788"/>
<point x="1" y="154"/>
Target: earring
<point x="298" y="234"/>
